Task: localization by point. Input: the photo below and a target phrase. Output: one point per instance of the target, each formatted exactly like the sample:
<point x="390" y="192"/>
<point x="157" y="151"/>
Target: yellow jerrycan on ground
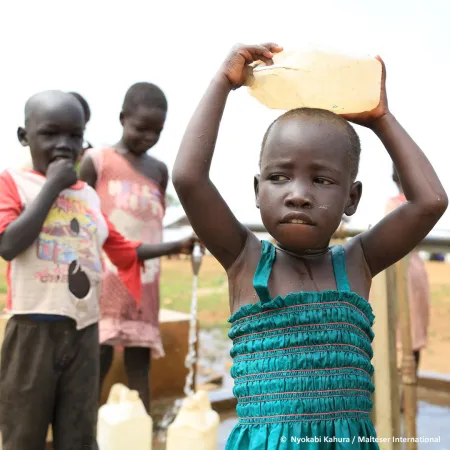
<point x="123" y="422"/>
<point x="318" y="79"/>
<point x="196" y="425"/>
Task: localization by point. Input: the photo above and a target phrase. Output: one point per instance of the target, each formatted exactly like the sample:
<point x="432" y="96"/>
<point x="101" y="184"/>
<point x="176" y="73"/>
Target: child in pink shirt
<point x="132" y="187"/>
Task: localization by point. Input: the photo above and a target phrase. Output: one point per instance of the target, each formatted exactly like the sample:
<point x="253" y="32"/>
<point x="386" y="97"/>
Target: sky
<point x="99" y="48"/>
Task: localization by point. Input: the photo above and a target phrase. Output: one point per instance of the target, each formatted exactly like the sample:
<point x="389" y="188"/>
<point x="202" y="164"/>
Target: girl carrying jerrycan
<point x="301" y="325"/>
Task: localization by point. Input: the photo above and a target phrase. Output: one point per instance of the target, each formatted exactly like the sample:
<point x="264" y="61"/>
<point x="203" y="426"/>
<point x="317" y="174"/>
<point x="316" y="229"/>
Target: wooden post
<point x="409" y="379"/>
<point x="387" y="408"/>
<point x="391" y="288"/>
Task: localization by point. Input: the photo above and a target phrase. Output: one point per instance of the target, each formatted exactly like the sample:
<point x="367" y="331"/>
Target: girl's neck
<point x="121" y="148"/>
<point x="307" y="253"/>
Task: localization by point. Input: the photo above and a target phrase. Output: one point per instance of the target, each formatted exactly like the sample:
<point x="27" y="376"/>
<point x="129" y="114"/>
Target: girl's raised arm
<point x="403" y="229"/>
<point x="209" y="215"/>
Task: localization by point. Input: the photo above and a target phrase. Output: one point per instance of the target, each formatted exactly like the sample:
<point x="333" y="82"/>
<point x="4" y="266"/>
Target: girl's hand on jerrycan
<point x="236" y="68"/>
<point x="369" y="118"/>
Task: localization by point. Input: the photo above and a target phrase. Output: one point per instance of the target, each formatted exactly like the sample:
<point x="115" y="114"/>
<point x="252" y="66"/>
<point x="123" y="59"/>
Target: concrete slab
<point x="168" y="374"/>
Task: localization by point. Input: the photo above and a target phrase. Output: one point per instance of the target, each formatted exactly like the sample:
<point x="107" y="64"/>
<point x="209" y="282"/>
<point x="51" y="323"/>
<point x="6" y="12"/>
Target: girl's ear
<point x="256" y="186"/>
<point x="353" y="198"/>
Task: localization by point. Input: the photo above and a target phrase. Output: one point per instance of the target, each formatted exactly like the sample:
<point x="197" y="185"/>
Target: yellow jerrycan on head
<point x="123" y="422"/>
<point x="196" y="425"/>
<point x="318" y="79"/>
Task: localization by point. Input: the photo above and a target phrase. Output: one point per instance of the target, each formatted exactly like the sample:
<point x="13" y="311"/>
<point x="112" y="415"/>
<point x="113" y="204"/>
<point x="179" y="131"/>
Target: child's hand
<point x="62" y="174"/>
<point x="187" y="245"/>
<point x="236" y="67"/>
<point x="369" y="118"/>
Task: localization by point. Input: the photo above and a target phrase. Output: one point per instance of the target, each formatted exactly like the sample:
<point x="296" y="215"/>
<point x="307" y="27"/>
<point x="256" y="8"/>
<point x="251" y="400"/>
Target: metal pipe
<point x="196" y="259"/>
<point x="191" y="357"/>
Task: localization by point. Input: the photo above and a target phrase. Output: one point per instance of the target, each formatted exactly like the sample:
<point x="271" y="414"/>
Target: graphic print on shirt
<point x="79" y="284"/>
<point x="135" y="197"/>
<point x="69" y="239"/>
<point x="132" y="202"/>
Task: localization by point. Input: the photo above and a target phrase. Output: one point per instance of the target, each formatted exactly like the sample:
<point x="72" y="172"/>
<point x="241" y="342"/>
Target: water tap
<point x="196" y="258"/>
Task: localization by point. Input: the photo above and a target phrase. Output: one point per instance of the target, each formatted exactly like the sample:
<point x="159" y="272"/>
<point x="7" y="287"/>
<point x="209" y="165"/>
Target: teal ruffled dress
<point x="302" y="367"/>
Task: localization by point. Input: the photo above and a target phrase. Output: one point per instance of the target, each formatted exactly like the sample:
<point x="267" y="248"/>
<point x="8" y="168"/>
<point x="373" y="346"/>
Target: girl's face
<point x="305" y="185"/>
<point x="142" y="128"/>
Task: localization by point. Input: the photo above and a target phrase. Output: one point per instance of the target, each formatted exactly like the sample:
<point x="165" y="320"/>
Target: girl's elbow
<point x="179" y="177"/>
<point x="183" y="181"/>
<point x="436" y="206"/>
<point x="441" y="203"/>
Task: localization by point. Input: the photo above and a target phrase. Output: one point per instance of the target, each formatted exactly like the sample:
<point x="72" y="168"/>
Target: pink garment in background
<point x="136" y="206"/>
<point x="418" y="291"/>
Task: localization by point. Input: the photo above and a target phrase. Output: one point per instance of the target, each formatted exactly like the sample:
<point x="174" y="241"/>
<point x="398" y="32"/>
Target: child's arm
<point x="123" y="253"/>
<point x="403" y="229"/>
<point x="208" y="213"/>
<point x="87" y="171"/>
<point x="25" y="228"/>
<point x="150" y="251"/>
<point x="128" y="255"/>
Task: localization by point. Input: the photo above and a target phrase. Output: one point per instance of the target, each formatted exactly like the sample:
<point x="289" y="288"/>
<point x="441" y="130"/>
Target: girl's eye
<point x="278" y="178"/>
<point x="48" y="133"/>
<point x="323" y="181"/>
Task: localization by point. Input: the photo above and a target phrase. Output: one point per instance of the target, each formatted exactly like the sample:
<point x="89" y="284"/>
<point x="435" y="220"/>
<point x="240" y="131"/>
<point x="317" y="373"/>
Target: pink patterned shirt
<point x="135" y="205"/>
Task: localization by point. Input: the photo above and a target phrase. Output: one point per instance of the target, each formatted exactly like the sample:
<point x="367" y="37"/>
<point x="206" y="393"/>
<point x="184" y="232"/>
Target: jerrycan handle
<point x="132" y="396"/>
<point x="117" y="394"/>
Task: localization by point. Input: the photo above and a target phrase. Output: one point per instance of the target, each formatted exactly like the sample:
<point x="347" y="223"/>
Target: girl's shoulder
<point x="248" y="259"/>
<point x="240" y="274"/>
<point x="358" y="272"/>
<point x="99" y="156"/>
<point x="154" y="164"/>
<point x="153" y="169"/>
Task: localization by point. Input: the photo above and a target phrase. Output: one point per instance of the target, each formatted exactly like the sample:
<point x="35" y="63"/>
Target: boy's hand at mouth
<point x="61" y="173"/>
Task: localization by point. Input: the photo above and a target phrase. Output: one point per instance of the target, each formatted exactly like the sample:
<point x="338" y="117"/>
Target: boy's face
<point x="54" y="129"/>
<point x="142" y="128"/>
<point x="305" y="185"/>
